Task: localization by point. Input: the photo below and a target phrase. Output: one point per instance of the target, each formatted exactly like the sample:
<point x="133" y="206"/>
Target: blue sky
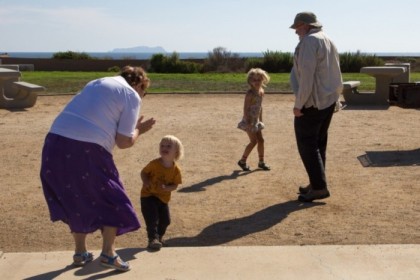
<point x="200" y="26"/>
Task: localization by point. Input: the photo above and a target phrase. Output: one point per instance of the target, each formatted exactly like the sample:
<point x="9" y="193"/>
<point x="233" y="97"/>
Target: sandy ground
<point x="373" y="168"/>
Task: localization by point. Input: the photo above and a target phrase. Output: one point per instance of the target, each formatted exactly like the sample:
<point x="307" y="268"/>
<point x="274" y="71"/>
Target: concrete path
<point x="226" y="262"/>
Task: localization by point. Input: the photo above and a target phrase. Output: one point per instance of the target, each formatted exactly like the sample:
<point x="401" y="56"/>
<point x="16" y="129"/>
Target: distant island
<point x="140" y="49"/>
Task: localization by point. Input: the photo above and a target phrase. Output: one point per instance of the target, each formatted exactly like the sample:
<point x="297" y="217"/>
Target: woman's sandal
<point x="80" y="259"/>
<point x="112" y="262"/>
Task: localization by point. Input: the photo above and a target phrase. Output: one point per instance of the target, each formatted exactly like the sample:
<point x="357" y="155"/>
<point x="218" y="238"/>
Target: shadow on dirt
<point x="201" y="186"/>
<point x="225" y="231"/>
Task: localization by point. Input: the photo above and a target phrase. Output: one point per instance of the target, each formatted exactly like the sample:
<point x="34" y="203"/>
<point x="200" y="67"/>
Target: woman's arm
<point x="124" y="142"/>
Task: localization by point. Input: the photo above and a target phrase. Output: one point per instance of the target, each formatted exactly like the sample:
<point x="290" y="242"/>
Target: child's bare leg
<point x="260" y="146"/>
<point x="252" y="143"/>
<point x="248" y="150"/>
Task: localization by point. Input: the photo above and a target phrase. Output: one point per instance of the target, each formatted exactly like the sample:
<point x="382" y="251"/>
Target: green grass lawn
<point x="72" y="82"/>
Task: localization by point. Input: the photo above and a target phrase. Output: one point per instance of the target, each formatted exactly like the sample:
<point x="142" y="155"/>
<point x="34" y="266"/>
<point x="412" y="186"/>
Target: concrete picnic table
<point x="7" y="77"/>
<point x="15" y="93"/>
<point x="384" y="76"/>
<point x="8" y="74"/>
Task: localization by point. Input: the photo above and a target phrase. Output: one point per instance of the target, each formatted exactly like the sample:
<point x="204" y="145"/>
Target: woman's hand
<point x="145" y="126"/>
<point x="124" y="142"/>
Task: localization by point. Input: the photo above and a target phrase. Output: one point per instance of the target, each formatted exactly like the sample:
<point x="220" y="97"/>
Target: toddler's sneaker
<point x="154" y="245"/>
<point x="164" y="244"/>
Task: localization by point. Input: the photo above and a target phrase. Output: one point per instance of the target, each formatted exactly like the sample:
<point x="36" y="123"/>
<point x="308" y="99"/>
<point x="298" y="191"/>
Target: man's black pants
<point x="311" y="131"/>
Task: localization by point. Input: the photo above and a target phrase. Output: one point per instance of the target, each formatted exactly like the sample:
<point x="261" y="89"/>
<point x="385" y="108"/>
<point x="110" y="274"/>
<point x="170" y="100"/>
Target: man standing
<point x="317" y="83"/>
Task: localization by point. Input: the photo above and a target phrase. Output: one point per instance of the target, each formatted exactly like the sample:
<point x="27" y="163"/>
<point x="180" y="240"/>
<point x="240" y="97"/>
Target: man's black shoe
<point x="304" y="190"/>
<point x="313" y="195"/>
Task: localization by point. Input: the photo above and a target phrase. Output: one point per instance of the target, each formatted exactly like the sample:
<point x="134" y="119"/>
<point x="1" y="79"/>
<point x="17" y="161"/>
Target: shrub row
<point x="221" y="60"/>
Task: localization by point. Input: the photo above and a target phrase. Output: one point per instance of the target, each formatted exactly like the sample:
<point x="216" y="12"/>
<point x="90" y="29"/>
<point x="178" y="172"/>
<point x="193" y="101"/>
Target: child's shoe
<point x="164" y="244"/>
<point x="263" y="166"/>
<point x="154" y="245"/>
<point x="243" y="165"/>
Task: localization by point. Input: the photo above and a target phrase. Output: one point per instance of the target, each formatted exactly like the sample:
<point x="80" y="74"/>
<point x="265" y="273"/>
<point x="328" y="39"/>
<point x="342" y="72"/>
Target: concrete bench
<point x="24" y="95"/>
<point x="350" y="92"/>
<point x="351" y="87"/>
<point x="26" y="85"/>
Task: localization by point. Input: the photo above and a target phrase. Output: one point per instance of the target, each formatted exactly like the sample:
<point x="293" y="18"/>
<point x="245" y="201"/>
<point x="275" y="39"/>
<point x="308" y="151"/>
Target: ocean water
<point x="182" y="55"/>
<point x="125" y="55"/>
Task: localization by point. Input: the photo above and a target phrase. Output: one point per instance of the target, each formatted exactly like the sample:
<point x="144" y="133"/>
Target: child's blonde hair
<point x="259" y="73"/>
<point x="178" y="144"/>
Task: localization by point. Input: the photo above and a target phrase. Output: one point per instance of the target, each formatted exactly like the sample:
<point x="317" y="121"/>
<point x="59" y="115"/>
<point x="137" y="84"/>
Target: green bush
<point x="352" y="62"/>
<point x="254" y="62"/>
<point x="279" y="62"/>
<point x="159" y="63"/>
<point x="71" y="55"/>
<point x="272" y="62"/>
<point x="114" y="69"/>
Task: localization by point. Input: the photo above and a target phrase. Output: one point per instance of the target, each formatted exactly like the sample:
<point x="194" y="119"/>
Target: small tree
<point x="157" y="63"/>
<point x="222" y="60"/>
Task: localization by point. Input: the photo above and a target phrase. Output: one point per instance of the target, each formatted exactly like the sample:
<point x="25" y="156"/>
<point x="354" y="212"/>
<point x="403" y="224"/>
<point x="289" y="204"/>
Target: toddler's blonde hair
<point x="259" y="73"/>
<point x="178" y="144"/>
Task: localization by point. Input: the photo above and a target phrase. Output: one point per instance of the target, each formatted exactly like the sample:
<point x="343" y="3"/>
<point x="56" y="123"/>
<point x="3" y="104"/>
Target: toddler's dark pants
<point x="156" y="215"/>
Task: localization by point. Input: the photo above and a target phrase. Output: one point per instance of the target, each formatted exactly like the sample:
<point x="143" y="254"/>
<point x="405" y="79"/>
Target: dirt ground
<point x="373" y="168"/>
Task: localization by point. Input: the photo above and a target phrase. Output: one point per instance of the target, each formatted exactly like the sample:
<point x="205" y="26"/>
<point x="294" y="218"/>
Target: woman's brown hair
<point x="135" y="76"/>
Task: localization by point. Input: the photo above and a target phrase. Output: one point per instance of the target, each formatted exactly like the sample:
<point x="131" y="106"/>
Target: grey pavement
<point x="228" y="262"/>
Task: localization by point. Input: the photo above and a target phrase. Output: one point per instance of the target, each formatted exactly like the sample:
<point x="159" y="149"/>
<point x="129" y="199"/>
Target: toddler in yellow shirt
<point x="160" y="177"/>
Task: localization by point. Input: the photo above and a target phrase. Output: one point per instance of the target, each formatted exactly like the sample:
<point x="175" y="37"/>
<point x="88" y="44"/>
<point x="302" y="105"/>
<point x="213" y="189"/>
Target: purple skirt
<point x="82" y="187"/>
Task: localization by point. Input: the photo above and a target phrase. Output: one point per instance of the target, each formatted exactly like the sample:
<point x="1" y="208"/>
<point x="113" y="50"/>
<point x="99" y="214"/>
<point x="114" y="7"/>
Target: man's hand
<point x="297" y="112"/>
